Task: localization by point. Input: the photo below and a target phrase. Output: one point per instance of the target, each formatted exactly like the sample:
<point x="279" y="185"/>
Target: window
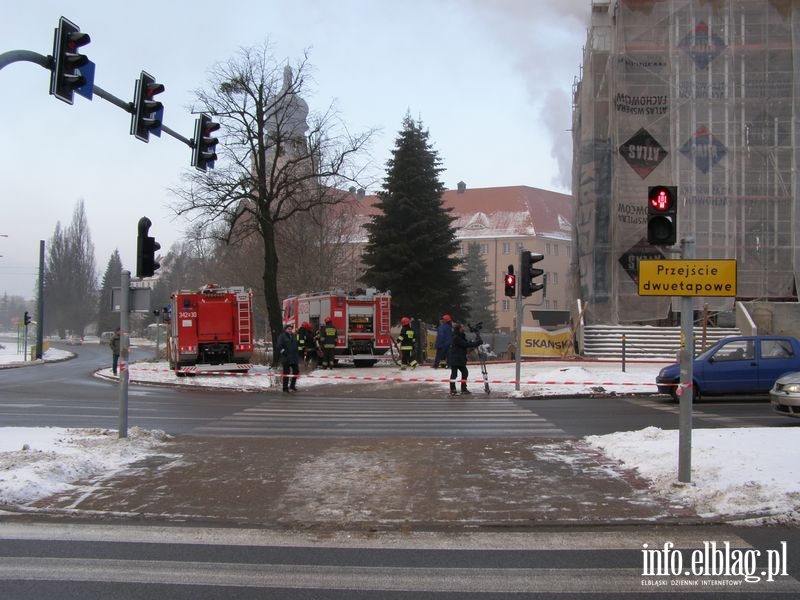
<point x="736" y="350"/>
<point x="506" y="247"/>
<point x="776" y="349"/>
<point x="506" y="305"/>
<point x="555" y="249"/>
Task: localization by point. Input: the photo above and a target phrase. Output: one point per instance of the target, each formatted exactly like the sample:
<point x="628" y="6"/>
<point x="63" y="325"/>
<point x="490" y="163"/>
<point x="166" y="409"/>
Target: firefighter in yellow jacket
<point x="406" y="342"/>
<point x="327" y="339"/>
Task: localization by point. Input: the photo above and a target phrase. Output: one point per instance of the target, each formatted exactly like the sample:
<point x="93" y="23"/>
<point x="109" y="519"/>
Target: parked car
<point x="74" y="340"/>
<point x="105" y="337"/>
<point x="736" y="365"/>
<point x="785" y="395"/>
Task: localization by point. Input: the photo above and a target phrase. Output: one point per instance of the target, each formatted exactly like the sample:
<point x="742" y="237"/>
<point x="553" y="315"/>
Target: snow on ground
<point x="735" y="471"/>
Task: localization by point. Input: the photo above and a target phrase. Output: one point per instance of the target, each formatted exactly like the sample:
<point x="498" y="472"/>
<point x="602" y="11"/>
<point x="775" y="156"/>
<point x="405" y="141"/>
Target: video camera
<point x="476" y="329"/>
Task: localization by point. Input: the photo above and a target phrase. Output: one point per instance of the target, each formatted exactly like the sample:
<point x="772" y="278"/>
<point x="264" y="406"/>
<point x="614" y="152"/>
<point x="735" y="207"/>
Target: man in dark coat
<point x="457" y="359"/>
<point x="289" y="352"/>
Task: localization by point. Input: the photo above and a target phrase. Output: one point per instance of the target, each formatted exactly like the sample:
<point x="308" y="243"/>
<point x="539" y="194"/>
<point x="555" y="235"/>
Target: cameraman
<point x="458" y="357"/>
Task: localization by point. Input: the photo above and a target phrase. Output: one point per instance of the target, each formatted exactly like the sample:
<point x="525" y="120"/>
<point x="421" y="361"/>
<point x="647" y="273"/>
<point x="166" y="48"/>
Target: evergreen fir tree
<point x="106" y="319"/>
<point x="412" y="247"/>
<point x="479" y="289"/>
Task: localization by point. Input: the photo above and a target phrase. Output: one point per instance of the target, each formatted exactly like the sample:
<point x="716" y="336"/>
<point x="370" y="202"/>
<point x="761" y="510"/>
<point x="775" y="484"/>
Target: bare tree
<point x="276" y="159"/>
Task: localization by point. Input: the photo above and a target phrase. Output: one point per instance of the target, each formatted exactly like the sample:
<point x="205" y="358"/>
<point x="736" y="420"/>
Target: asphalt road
<point x="66" y="394"/>
<point x="86" y="560"/>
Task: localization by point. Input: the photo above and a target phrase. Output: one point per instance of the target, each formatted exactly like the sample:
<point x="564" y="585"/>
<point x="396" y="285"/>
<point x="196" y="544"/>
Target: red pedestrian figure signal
<point x="662" y="215"/>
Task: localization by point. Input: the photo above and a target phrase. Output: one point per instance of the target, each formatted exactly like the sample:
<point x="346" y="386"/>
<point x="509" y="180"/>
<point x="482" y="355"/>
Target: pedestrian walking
<point x="289" y="352"/>
<point x="327" y="339"/>
<point x="444" y="337"/>
<point x="406" y="341"/>
<point x="457" y="358"/>
<point x="114" y="342"/>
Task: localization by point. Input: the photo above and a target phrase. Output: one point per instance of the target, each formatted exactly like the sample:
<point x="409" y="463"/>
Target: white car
<point x="785" y="395"/>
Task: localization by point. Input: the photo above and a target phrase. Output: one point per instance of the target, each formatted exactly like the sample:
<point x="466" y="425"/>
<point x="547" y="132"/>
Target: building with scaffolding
<point x="703" y="95"/>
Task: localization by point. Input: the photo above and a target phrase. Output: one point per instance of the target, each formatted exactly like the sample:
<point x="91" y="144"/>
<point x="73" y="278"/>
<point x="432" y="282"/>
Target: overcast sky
<point x="490" y="79"/>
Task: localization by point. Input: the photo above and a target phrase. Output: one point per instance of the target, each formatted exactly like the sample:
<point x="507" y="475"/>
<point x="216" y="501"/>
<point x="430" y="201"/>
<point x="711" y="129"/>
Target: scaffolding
<point x="701" y="95"/>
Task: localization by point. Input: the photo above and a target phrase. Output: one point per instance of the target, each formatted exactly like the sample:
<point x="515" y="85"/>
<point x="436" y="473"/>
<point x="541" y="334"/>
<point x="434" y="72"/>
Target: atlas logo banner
<point x="704" y="150"/>
<point x="702" y="45"/>
<point x="643" y="153"/>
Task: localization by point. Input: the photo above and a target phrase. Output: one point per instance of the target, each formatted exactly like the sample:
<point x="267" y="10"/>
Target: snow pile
<point x="36" y="462"/>
<point x="736" y="471"/>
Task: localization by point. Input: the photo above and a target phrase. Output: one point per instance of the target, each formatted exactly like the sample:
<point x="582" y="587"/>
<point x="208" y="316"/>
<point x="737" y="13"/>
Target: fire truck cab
<point x="211" y="329"/>
<point x="362" y="317"/>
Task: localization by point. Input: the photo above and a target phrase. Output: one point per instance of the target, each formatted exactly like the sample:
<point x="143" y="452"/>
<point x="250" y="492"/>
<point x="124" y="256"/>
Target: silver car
<point x="785" y="395"/>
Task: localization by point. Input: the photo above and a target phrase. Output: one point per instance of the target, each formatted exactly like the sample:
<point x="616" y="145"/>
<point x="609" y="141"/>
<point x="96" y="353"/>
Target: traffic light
<point x="510" y="282"/>
<point x="146" y="248"/>
<point x="27" y="319"/>
<point x="147" y="112"/>
<point x="662" y="215"/>
<point x="65" y="77"/>
<point x="528" y="273"/>
<point x="204" y="146"/>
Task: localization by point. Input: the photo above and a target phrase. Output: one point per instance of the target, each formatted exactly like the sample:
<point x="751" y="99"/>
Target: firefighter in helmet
<point x="327" y="339"/>
<point x="307" y="344"/>
<point x="406" y="343"/>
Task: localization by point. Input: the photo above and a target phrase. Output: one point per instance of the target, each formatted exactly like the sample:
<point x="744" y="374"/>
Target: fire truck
<point x="362" y="317"/>
<point x="211" y="330"/>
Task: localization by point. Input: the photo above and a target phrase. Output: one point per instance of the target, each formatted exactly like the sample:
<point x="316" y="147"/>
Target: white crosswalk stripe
<point x="457" y="416"/>
<point x="603" y="561"/>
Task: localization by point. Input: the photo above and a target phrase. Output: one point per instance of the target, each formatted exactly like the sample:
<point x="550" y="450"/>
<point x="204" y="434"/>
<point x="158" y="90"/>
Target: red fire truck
<point x="363" y="318"/>
<point x="210" y="330"/>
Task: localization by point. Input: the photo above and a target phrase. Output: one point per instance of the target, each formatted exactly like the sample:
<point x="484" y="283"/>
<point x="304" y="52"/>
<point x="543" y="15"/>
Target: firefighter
<point x="327" y="339"/>
<point x="406" y="343"/>
<point x="307" y="344"/>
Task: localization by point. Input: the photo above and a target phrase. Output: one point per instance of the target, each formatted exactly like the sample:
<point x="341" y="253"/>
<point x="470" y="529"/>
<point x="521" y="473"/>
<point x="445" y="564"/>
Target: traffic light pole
<point x="518" y="332"/>
<point x="124" y="352"/>
<point x="686" y="389"/>
<point x="7" y="58"/>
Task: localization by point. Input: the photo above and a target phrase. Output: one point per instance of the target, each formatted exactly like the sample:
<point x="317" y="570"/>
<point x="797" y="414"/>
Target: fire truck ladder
<point x="243" y="306"/>
<point x="385" y="323"/>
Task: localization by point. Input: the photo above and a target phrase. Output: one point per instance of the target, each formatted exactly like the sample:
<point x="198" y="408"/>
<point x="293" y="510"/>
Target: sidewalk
<point x="373" y="484"/>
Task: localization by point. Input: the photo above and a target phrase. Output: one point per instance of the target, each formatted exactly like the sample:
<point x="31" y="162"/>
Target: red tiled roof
<point x="511" y="211"/>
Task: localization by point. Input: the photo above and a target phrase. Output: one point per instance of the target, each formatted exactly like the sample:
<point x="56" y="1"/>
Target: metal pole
<point x="124" y="345"/>
<point x="686" y="389"/>
<point x="40" y="307"/>
<point x="518" y="331"/>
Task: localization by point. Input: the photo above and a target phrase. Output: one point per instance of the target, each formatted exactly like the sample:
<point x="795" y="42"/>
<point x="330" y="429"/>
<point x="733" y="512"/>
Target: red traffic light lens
<point x="661" y="200"/>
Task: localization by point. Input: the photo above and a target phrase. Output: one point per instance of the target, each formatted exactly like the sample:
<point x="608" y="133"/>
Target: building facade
<point x="702" y="95"/>
<point x="503" y="220"/>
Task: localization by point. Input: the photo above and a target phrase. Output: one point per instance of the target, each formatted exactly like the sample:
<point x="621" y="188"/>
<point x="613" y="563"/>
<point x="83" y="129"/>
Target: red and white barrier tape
<point x="406" y="379"/>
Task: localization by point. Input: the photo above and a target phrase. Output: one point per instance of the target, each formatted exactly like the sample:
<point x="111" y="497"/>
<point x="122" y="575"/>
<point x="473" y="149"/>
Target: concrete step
<point x="644" y="342"/>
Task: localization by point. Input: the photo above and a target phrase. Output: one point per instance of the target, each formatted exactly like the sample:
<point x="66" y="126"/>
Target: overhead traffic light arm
<point x="67" y="76"/>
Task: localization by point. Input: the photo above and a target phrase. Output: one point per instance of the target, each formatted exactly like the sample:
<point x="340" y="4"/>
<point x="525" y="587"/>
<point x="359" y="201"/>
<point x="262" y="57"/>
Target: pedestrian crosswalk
<point x="460" y="416"/>
<point x="600" y="563"/>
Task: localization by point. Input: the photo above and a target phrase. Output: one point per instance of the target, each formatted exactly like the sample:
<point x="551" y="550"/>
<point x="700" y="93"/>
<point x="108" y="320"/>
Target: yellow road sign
<point x="687" y="277"/>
